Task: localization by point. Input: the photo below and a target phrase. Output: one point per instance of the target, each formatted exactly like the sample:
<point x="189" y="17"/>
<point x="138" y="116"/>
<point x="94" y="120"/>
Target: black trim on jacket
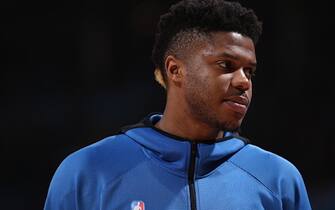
<point x="146" y="122"/>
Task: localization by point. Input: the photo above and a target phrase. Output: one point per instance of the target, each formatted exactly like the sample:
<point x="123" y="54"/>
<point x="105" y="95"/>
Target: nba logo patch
<point x="137" y="205"/>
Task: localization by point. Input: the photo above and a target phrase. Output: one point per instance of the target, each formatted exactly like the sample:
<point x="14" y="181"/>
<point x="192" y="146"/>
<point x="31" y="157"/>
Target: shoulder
<point x="115" y="153"/>
<point x="98" y="163"/>
<point x="83" y="174"/>
<point x="276" y="173"/>
<point x="87" y="171"/>
<point x="258" y="162"/>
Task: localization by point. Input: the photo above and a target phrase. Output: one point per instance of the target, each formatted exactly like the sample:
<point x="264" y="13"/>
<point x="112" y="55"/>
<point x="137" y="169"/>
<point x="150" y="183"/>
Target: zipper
<point x="191" y="171"/>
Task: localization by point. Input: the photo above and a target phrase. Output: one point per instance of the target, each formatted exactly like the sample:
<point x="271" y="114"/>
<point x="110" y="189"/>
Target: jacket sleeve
<point x="293" y="191"/>
<point x="61" y="193"/>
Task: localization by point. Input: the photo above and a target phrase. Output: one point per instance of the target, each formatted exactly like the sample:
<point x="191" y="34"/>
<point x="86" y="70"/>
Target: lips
<point x="238" y="104"/>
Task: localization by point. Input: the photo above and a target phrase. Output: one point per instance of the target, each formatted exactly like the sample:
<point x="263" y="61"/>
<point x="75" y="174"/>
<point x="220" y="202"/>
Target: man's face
<point x="217" y="85"/>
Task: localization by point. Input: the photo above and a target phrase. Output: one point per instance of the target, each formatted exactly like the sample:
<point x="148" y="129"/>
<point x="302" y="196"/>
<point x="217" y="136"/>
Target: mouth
<point x="238" y="104"/>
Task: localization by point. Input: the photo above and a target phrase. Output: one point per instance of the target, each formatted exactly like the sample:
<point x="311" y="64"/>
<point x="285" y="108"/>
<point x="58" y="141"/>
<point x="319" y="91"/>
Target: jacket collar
<point x="173" y="152"/>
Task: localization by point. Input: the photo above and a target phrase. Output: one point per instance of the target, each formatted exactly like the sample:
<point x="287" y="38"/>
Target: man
<point x="190" y="157"/>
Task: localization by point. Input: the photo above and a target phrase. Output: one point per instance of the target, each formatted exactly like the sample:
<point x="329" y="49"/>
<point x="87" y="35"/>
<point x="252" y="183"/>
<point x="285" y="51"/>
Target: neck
<point x="181" y="123"/>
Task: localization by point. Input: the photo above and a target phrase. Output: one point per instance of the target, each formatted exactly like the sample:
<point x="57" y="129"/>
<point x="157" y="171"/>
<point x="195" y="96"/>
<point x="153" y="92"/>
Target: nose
<point x="240" y="80"/>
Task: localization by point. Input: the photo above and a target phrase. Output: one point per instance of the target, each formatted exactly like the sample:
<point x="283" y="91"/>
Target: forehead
<point x="231" y="43"/>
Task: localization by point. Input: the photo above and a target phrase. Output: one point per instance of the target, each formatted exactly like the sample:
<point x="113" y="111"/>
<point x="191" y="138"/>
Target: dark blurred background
<point x="75" y="72"/>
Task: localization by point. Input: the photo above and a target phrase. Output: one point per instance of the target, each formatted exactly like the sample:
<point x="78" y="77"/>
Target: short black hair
<point x="201" y="16"/>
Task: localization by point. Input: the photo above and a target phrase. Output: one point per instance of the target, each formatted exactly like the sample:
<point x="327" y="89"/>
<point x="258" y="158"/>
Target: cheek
<point x="223" y="83"/>
<point x="196" y="86"/>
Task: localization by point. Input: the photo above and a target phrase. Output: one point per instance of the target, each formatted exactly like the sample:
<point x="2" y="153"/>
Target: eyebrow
<point x="234" y="57"/>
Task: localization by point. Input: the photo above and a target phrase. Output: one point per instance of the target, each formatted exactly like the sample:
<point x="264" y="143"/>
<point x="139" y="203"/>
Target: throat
<point x="189" y="130"/>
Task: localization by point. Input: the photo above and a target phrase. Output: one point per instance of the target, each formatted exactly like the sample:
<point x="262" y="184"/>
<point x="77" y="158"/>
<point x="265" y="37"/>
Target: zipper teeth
<point x="191" y="176"/>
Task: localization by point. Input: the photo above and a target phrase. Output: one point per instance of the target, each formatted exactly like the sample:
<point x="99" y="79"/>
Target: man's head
<point x="205" y="55"/>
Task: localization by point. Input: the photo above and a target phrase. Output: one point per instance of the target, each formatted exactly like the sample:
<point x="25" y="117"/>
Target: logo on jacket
<point x="137" y="205"/>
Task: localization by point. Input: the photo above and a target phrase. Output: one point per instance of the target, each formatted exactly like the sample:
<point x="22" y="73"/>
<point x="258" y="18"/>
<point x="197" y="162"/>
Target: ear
<point x="174" y="68"/>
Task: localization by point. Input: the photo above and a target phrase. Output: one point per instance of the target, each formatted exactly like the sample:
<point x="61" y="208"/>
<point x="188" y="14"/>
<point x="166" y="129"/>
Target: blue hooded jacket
<point x="146" y="168"/>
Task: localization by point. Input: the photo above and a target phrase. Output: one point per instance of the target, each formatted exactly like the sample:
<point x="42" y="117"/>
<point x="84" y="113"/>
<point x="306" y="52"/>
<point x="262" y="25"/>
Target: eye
<point x="222" y="64"/>
<point x="226" y="65"/>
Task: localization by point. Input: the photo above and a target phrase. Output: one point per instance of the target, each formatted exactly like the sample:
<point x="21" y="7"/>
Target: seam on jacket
<point x="119" y="177"/>
<point x="68" y="194"/>
<point x="115" y="179"/>
<point x="254" y="177"/>
<point x="221" y="164"/>
<point x="103" y="188"/>
<point x="154" y="160"/>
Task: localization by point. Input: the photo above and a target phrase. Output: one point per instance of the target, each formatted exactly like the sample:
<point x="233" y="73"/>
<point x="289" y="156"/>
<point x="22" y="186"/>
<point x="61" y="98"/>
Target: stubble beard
<point x="199" y="107"/>
<point x="200" y="111"/>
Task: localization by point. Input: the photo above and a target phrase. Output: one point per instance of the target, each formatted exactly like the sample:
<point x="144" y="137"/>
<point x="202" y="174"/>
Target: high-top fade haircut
<point x="188" y="20"/>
